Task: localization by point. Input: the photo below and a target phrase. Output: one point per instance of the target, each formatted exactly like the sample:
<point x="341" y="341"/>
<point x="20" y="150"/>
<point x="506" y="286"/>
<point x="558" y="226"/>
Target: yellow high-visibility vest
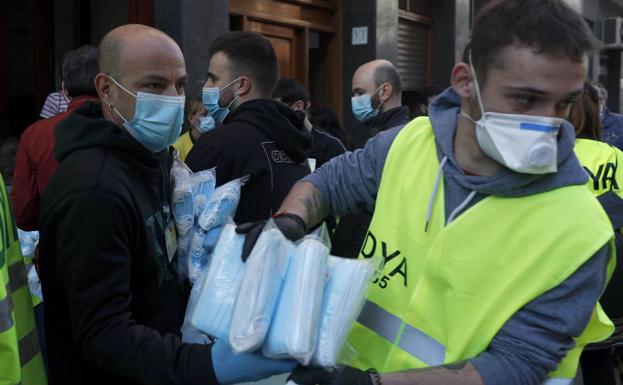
<point x="446" y="289"/>
<point x="183" y="144"/>
<point x="20" y="356"/>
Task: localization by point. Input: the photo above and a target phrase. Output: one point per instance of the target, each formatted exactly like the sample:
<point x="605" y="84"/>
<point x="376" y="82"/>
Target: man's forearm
<point x="306" y="201"/>
<point x="461" y="373"/>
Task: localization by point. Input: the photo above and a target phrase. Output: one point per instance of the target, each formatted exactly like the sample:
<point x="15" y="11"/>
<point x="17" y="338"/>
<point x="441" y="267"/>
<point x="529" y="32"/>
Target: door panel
<point x="290" y="45"/>
<point x="283" y="50"/>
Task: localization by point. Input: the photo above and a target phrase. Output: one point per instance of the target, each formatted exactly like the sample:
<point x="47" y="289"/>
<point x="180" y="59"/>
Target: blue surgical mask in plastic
<point x="210" y="97"/>
<point x="362" y="106"/>
<point x="206" y="123"/>
<point x="157" y="120"/>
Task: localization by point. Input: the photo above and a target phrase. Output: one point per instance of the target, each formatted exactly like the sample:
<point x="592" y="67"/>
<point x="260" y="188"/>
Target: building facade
<point x="319" y="42"/>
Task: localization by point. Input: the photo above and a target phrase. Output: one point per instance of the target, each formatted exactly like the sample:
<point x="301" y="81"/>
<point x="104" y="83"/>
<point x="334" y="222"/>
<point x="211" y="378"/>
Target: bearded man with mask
<point x="377" y="96"/>
<point x="259" y="137"/>
<point x="114" y="305"/>
<point x="490" y="274"/>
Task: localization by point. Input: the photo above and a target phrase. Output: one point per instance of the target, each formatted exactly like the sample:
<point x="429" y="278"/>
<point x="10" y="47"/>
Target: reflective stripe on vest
<point x="28" y="347"/>
<point x="559" y="381"/>
<point x="407" y="337"/>
<point x="413" y="340"/>
<point x="6" y="311"/>
<point x="17" y="276"/>
<point x="17" y="280"/>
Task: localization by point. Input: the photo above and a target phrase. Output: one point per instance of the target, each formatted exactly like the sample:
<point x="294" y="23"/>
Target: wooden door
<point x="290" y="45"/>
<point x="287" y="24"/>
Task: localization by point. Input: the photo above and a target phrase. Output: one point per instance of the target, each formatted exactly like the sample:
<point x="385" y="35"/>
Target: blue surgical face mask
<point x="157" y="119"/>
<point x="206" y="123"/>
<point x="362" y="106"/>
<point x="210" y="97"/>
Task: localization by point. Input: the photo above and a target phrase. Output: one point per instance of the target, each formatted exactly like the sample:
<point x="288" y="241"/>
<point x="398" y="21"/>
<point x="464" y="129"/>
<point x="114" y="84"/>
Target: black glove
<point x="291" y="225"/>
<point x="304" y="375"/>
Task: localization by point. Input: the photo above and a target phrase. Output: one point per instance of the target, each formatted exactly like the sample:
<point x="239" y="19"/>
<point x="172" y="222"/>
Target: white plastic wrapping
<point x="294" y="330"/>
<point x="222" y="204"/>
<point x="202" y="185"/>
<point x="214" y="295"/>
<point x="219" y="208"/>
<point x="188" y="188"/>
<point x="201" y="248"/>
<point x="28" y="241"/>
<point x="344" y="295"/>
<point x="179" y="170"/>
<point x="183" y="213"/>
<point x="259" y="292"/>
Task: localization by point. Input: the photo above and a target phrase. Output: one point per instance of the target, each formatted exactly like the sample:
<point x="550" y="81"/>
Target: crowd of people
<point x="494" y="216"/>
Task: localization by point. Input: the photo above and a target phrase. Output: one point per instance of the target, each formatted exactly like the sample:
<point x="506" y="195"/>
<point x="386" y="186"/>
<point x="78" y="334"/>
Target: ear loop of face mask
<point x="113" y="108"/>
<point x="230" y="83"/>
<point x="477" y="85"/>
<point x="374" y="93"/>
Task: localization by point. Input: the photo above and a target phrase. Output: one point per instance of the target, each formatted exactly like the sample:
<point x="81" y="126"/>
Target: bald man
<point x="377" y="96"/>
<point x="113" y="303"/>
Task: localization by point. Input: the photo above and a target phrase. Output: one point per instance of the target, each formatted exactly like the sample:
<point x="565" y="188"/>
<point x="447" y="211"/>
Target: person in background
<point x="55" y="103"/>
<point x="326" y="118"/>
<point x="8" y="153"/>
<point x="21" y="361"/>
<point x="35" y="161"/>
<point x="604" y="165"/>
<point x="377" y="96"/>
<point x="612" y="123"/>
<point x="259" y="137"/>
<point x="196" y="123"/>
<point x="378" y="104"/>
<point x="324" y="146"/>
<point x="423" y="98"/>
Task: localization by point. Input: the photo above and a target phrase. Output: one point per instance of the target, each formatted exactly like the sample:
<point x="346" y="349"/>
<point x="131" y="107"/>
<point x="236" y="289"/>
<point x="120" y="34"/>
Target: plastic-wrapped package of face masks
<point x="344" y="295"/>
<point x="28" y="241"/>
<point x="201" y="249"/>
<point x="264" y="275"/>
<point x="183" y="213"/>
<point x="179" y="170"/>
<point x="202" y="185"/>
<point x="214" y="295"/>
<point x="294" y="330"/>
<point x="222" y="204"/>
<point x="188" y="187"/>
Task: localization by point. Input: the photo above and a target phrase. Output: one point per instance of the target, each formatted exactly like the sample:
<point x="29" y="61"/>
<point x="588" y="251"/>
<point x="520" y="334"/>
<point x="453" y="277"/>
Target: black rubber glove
<point x="291" y="225"/>
<point x="309" y="375"/>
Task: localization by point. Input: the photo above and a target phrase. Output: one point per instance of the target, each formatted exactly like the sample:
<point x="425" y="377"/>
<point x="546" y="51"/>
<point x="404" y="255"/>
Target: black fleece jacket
<point x="261" y="138"/>
<point x="113" y="304"/>
<point x="397" y="116"/>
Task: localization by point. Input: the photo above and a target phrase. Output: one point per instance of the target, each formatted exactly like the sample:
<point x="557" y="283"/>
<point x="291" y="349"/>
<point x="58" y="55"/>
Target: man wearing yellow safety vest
<point x="491" y="272"/>
<point x="20" y="356"/>
<point x="601" y="162"/>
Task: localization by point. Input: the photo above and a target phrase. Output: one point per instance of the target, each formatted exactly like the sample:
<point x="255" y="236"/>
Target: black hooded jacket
<point x="397" y="116"/>
<point x="261" y="138"/>
<point x="113" y="302"/>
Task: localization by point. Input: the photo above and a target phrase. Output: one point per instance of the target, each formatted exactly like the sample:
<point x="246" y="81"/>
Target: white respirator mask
<point x="526" y="144"/>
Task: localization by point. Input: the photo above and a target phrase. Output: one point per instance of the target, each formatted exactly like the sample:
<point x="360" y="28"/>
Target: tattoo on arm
<point x="306" y="201"/>
<point x="459" y="373"/>
<point x="315" y="206"/>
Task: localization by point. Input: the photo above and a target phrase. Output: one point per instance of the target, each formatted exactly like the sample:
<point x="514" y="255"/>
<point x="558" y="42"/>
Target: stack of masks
<point x="214" y="295"/>
<point x="220" y="206"/>
<point x="290" y="300"/>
